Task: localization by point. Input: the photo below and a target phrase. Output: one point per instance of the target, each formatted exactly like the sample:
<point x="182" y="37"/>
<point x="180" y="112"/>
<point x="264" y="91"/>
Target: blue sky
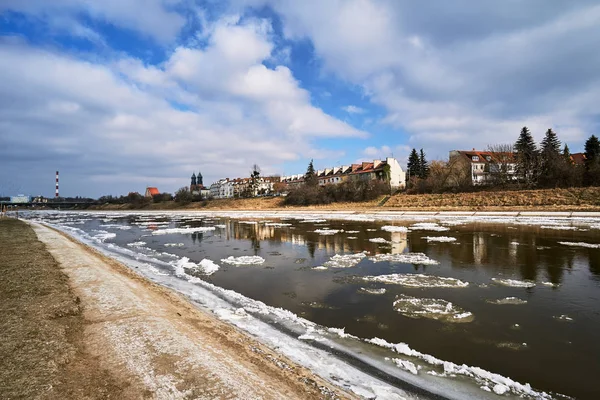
<point x="121" y="94"/>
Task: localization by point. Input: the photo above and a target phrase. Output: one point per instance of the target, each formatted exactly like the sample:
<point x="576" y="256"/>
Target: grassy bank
<point x="41" y="352"/>
<point x="574" y="199"/>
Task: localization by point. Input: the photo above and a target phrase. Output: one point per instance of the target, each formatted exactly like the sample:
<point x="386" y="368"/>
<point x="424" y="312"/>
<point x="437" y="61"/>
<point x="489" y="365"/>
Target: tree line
<point x="523" y="164"/>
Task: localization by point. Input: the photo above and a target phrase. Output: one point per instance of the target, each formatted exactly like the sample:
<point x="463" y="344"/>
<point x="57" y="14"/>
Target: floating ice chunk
<point x="514" y="243"/>
<point x="508" y="300"/>
<point x="277" y="224"/>
<point x="429" y="226"/>
<point x="313" y="220"/>
<point x="208" y="266"/>
<point x="344" y="260"/>
<point x="183" y="230"/>
<point x="221" y="226"/>
<point x="559" y="227"/>
<point x="406" y="365"/>
<point x="439" y="239"/>
<point x="243" y="260"/>
<point x="442" y="310"/>
<point x="249" y="222"/>
<point x="371" y="230"/>
<point x="136" y="244"/>
<point x="326" y="231"/>
<point x="372" y="291"/>
<point x="417" y="280"/>
<point x="405" y="258"/>
<point x="390" y="228"/>
<point x="174" y="244"/>
<point x="563" y="317"/>
<point x="320" y="268"/>
<point x="101" y="236"/>
<point x="205" y="266"/>
<point x="113" y="226"/>
<point x="378" y="240"/>
<point x="513" y="283"/>
<point x="551" y="284"/>
<point x="581" y="244"/>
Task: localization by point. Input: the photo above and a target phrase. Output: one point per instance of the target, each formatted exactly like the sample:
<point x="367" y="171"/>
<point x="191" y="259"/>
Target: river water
<point x="519" y="297"/>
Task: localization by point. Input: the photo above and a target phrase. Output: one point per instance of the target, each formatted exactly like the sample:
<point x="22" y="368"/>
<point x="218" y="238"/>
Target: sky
<point x="122" y="94"/>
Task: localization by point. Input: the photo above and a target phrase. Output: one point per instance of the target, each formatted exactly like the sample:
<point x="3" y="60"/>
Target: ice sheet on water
<point x="344" y="260"/>
<point x="278" y="224"/>
<point x="249" y="222"/>
<point x="405" y="258"/>
<point x="581" y="244"/>
<point x="320" y="268"/>
<point x="429" y="226"/>
<point x="136" y="244"/>
<point x="205" y="266"/>
<point x="352" y="232"/>
<point x="116" y="226"/>
<point x="508" y="300"/>
<point x="306" y="221"/>
<point x="417" y="280"/>
<point x="391" y="228"/>
<point x="220" y="226"/>
<point x="183" y="230"/>
<point x="438" y="309"/>
<point x="174" y="244"/>
<point x="513" y="283"/>
<point x="439" y="239"/>
<point x="379" y="240"/>
<point x="563" y="317"/>
<point x="372" y="290"/>
<point x="243" y="260"/>
<point x="559" y="227"/>
<point x="326" y="231"/>
<point x="351" y="237"/>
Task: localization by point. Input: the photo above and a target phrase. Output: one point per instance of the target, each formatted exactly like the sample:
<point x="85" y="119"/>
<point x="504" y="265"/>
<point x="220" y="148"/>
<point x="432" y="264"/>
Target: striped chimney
<point x="56" y="195"/>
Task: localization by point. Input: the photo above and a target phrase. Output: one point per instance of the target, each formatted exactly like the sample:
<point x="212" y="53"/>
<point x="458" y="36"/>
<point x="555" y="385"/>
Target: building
<point x="197" y="186"/>
<point x="241" y="187"/>
<point x="151" y="191"/>
<point x="486" y="166"/>
<point x="21" y="198"/>
<point x="578" y="158"/>
<point x="388" y="170"/>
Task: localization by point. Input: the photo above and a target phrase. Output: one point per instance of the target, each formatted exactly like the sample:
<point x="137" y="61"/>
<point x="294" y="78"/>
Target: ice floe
<point x="243" y="260"/>
<point x="513" y="283"/>
<point x="581" y="244"/>
<point x="559" y="227"/>
<point x="372" y="290"/>
<point x="352" y="232"/>
<point x="326" y="231"/>
<point x="438" y="309"/>
<point x="101" y="236"/>
<point x="344" y="260"/>
<point x="320" y="268"/>
<point x="429" y="226"/>
<point x="391" y="228"/>
<point x="174" y="244"/>
<point x="417" y="280"/>
<point x="563" y="317"/>
<point x="379" y="240"/>
<point x="405" y="258"/>
<point x="278" y="224"/>
<point x="508" y="300"/>
<point x="439" y="239"/>
<point x="205" y="266"/>
<point x="221" y="226"/>
<point x="183" y="230"/>
<point x="136" y="244"/>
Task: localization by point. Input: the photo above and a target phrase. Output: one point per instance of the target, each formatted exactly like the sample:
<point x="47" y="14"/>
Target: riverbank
<point x="80" y="325"/>
<point x="573" y="199"/>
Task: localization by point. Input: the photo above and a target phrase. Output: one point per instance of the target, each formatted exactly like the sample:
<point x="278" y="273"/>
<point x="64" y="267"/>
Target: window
<point x="475" y="158"/>
<point x="488" y="158"/>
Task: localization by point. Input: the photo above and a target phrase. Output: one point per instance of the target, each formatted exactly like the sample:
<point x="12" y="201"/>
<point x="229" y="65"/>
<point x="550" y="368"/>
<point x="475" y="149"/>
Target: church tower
<point x="200" y="183"/>
<point x="193" y="181"/>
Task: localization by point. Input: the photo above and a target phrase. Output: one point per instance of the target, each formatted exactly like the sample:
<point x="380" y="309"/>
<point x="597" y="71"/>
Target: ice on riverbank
<point x="404" y="258"/>
<point x="438" y="309"/>
<point x="417" y="281"/>
<point x="513" y="283"/>
<point x="243" y="260"/>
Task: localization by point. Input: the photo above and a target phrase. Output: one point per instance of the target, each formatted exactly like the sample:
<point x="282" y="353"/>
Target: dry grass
<point x="41" y="352"/>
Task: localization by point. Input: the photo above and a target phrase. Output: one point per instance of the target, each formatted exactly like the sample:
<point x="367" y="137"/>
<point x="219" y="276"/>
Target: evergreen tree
<point x="310" y="178"/>
<point x="591" y="175"/>
<point x="423" y="166"/>
<point x="526" y="156"/>
<point x="551" y="144"/>
<point x="567" y="154"/>
<point x="414" y="164"/>
<point x="550" y="160"/>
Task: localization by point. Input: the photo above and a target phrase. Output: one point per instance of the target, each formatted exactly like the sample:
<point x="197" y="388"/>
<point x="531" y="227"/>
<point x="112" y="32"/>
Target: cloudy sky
<point x="121" y="94"/>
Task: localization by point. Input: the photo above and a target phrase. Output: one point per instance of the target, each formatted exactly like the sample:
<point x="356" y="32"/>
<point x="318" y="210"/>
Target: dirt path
<point x="134" y="339"/>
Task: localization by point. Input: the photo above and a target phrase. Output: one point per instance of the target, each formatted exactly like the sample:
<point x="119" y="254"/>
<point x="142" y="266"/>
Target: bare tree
<point x="500" y="166"/>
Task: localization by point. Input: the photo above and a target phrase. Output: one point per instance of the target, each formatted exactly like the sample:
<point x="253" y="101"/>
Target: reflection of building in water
<point x="479" y="248"/>
<point x="399" y="242"/>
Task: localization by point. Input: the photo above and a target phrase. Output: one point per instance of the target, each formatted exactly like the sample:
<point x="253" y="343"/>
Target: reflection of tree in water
<point x="255" y="243"/>
<point x="594" y="258"/>
<point x="199" y="236"/>
<point x="310" y="245"/>
<point x="527" y="259"/>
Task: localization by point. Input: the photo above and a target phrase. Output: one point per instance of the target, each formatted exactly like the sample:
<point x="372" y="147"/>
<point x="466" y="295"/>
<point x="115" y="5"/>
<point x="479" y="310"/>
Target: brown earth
<point x="573" y="199"/>
<point x="78" y="325"/>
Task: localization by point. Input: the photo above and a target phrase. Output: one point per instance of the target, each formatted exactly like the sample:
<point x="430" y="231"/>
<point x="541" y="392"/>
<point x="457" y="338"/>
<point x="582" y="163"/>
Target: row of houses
<point x="243" y="187"/>
<point x="388" y="170"/>
<point x="484" y="165"/>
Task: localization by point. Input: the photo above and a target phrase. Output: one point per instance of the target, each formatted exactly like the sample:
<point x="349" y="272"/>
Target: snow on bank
<point x="581" y="244"/>
<point x="442" y="310"/>
<point x="243" y="260"/>
<point x="499" y="384"/>
<point x="508" y="300"/>
<point x="513" y="283"/>
<point x="439" y="239"/>
<point x="344" y="260"/>
<point x="404" y="258"/>
<point x="417" y="281"/>
<point x="183" y="230"/>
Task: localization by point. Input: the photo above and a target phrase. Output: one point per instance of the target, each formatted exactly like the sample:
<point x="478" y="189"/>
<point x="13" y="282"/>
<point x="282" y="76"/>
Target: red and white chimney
<point x="56" y="194"/>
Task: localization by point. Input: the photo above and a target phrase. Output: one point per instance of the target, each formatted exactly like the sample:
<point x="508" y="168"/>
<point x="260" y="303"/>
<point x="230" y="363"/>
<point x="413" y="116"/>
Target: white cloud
<point x="350" y="109"/>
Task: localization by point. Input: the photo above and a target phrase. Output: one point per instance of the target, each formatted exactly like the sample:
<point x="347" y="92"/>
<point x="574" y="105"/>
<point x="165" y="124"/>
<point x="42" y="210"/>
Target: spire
<point x="193" y="179"/>
<point x="200" y="183"/>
